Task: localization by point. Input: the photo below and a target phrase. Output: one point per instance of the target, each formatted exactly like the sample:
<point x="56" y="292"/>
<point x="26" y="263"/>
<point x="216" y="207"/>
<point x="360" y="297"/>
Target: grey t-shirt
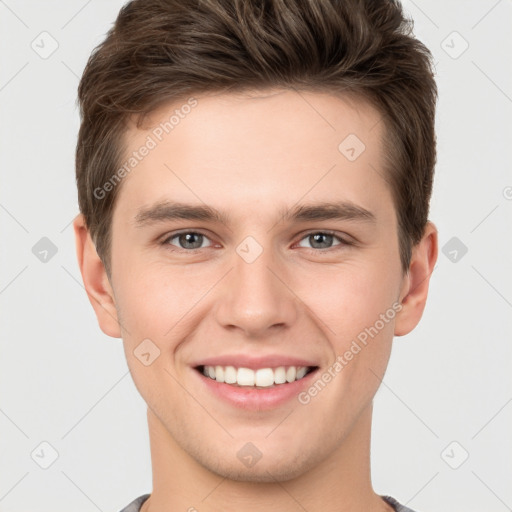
<point x="135" y="505"/>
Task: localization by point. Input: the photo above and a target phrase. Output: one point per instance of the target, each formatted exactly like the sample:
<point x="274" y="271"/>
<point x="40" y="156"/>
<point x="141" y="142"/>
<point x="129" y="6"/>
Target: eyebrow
<point x="168" y="210"/>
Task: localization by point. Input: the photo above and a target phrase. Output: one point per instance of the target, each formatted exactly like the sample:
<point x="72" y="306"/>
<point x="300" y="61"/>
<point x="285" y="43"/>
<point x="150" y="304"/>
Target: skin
<point x="253" y="155"/>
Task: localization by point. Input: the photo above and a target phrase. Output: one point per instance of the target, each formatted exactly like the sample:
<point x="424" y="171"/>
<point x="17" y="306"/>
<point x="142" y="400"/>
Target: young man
<point x="254" y="181"/>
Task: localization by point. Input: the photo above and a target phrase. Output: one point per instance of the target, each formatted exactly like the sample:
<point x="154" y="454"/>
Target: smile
<point x="258" y="378"/>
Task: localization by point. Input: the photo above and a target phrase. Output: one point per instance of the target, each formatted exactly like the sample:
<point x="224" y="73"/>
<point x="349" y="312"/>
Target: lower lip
<point x="257" y="399"/>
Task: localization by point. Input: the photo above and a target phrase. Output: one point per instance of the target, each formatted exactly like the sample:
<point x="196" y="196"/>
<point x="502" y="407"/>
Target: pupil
<point x="187" y="238"/>
<point x="319" y="235"/>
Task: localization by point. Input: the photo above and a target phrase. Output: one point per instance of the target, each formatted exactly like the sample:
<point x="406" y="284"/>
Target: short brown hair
<point x="163" y="50"/>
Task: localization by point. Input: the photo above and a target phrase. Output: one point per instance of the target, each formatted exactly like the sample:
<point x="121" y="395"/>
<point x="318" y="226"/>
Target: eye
<point x="323" y="240"/>
<point x="193" y="240"/>
<point x="190" y="240"/>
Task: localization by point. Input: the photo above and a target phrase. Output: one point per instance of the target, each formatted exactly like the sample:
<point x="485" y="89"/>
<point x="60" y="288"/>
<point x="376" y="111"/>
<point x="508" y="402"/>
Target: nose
<point x="256" y="297"/>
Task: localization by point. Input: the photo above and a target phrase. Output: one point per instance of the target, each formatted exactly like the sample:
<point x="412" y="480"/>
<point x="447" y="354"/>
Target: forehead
<point x="256" y="147"/>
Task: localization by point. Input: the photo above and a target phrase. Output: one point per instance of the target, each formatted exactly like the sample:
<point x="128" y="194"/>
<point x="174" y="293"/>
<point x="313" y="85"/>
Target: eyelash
<point x="343" y="241"/>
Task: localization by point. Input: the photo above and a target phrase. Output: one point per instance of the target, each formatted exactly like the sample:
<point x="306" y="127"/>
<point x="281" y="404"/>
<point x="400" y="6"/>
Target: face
<point x="279" y="280"/>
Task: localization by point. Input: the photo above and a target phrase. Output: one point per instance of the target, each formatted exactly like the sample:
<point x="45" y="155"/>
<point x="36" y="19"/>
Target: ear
<point x="95" y="280"/>
<point x="414" y="291"/>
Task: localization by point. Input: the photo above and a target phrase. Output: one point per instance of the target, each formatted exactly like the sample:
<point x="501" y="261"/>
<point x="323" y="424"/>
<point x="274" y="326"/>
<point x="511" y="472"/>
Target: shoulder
<point x="396" y="505"/>
<point x="135" y="505"/>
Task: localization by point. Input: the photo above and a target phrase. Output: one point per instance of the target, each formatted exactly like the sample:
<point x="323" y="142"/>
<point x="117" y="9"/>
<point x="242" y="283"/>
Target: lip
<point x="256" y="399"/>
<point x="254" y="363"/>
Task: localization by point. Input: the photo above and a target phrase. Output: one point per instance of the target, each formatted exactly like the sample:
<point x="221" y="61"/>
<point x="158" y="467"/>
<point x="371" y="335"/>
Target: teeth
<point x="263" y="377"/>
<point x="229" y="375"/>
<point x="291" y="374"/>
<point x="245" y="377"/>
<point x="280" y="375"/>
<point x="301" y="372"/>
<point x="219" y="374"/>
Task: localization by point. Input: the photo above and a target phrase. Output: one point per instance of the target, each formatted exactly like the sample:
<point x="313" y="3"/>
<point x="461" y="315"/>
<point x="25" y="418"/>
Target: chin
<point x="263" y="471"/>
<point x="261" y="475"/>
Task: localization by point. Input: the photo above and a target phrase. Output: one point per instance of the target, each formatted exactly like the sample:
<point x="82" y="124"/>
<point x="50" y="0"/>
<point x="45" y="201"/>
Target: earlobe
<point x="95" y="280"/>
<point x="415" y="284"/>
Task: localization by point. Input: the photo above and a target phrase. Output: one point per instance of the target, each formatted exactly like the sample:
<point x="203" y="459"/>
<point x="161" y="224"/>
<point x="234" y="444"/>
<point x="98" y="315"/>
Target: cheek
<point x="151" y="300"/>
<point x="355" y="311"/>
<point x="349" y="299"/>
<point x="156" y="306"/>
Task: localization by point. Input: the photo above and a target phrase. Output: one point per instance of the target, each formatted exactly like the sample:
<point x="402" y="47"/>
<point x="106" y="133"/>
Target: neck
<point x="340" y="483"/>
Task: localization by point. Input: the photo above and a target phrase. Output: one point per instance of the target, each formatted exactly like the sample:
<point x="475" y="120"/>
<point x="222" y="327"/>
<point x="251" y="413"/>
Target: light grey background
<point x="64" y="382"/>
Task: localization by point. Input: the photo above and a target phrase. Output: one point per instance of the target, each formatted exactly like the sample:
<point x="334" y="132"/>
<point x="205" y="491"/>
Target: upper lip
<point x="253" y="362"/>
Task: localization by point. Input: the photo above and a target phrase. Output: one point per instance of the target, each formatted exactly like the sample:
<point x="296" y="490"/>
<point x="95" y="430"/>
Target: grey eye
<point x="320" y="240"/>
<point x="188" y="240"/>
